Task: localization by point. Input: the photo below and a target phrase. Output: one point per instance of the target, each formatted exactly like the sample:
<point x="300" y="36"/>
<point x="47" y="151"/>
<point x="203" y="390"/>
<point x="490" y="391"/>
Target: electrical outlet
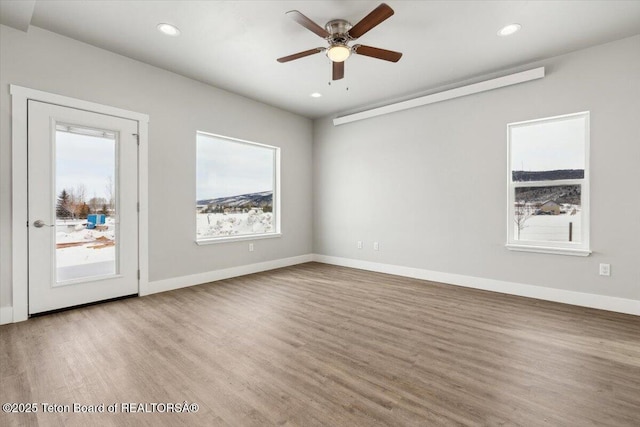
<point x="250" y="247"/>
<point x="359" y="244"/>
<point x="376" y="246"/>
<point x="605" y="269"/>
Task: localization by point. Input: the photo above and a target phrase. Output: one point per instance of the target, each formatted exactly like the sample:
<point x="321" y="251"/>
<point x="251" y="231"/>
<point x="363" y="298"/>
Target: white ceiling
<point x="234" y="44"/>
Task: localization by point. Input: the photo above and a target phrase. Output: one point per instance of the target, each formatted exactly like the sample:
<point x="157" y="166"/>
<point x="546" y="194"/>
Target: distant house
<point x="549" y="208"/>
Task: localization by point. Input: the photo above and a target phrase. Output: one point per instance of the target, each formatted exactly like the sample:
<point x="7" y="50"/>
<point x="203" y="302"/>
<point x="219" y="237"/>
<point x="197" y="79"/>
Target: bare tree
<point x="72" y="202"/>
<point x="109" y="191"/>
<point x="77" y="200"/>
<point x="95" y="203"/>
<point x="522" y="211"/>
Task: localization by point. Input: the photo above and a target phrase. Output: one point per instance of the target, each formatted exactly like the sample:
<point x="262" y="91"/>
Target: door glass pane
<point x="86" y="229"/>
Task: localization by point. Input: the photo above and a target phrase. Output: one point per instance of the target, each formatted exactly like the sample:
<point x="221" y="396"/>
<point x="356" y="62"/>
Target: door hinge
<point x="138" y="274"/>
<point x="137" y="138"/>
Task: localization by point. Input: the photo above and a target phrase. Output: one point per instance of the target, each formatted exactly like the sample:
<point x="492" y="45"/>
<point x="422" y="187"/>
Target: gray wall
<point x="429" y="183"/>
<point x="177" y="107"/>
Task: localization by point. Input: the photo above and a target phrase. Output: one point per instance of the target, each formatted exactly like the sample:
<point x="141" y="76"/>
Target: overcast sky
<point x="548" y="146"/>
<point x="82" y="159"/>
<point x="229" y="168"/>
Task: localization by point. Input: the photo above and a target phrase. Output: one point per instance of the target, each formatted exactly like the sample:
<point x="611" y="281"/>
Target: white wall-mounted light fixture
<point x="316" y="95"/>
<point x="507" y="30"/>
<point x="338" y="52"/>
<point x="168" y="29"/>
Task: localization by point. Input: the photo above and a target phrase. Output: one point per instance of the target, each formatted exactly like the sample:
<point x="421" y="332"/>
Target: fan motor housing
<point x="339" y="29"/>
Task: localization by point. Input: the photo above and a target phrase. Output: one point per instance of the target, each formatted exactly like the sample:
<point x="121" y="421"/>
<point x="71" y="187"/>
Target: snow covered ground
<point x="93" y="247"/>
<point x="233" y="224"/>
<point x="551" y="228"/>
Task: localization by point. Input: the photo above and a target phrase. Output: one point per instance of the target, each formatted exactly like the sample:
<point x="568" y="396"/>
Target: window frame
<point x="275" y="197"/>
<point x="581" y="248"/>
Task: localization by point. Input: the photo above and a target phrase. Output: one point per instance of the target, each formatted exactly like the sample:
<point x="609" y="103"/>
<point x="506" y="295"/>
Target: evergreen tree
<point x="63" y="205"/>
<point x="105" y="210"/>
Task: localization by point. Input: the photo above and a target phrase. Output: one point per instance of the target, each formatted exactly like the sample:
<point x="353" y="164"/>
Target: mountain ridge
<point x="259" y="199"/>
<point x="552" y="175"/>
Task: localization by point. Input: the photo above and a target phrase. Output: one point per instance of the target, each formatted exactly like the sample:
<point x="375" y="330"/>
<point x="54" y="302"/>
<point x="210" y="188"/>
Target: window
<point x="236" y="189"/>
<point x="548" y="175"/>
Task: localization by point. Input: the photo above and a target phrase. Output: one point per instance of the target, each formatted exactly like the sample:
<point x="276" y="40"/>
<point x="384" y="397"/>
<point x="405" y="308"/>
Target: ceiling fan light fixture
<point x="507" y="30"/>
<point x="338" y="33"/>
<point x="338" y="52"/>
<point x="168" y="29"/>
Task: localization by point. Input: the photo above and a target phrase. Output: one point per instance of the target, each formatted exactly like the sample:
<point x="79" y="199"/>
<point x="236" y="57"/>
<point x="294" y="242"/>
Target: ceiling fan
<point x="338" y="33"/>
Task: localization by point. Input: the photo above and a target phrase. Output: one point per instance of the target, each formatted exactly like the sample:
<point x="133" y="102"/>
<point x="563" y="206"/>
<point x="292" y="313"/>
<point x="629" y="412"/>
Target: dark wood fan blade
<point x="375" y="52"/>
<point x="338" y="70"/>
<point x="378" y="15"/>
<point x="300" y="54"/>
<point x="308" y="23"/>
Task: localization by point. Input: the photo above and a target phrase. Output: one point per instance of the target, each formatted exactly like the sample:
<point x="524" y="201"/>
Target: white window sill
<point x="215" y="240"/>
<point x="548" y="250"/>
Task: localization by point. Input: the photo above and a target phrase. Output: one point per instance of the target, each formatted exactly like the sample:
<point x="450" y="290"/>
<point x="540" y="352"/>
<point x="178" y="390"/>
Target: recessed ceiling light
<point x="509" y="29"/>
<point x="316" y="95"/>
<point x="168" y="29"/>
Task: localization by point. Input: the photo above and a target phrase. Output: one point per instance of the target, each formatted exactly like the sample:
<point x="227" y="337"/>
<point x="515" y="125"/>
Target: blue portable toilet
<point x="94" y="219"/>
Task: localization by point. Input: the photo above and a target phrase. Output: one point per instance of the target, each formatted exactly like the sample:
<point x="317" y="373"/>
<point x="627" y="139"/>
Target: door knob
<point x="40" y="223"/>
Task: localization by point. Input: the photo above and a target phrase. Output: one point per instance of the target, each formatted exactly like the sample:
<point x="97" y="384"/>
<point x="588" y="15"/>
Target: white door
<point x="83" y="198"/>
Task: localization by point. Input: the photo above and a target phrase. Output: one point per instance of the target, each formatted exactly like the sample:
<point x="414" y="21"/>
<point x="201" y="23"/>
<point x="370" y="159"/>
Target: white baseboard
<point x="602" y="302"/>
<point x="6" y="315"/>
<point x="227" y="273"/>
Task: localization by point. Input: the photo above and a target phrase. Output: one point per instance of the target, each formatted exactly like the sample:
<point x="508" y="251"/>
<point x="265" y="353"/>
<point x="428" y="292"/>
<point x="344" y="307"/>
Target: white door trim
<point x="19" y="201"/>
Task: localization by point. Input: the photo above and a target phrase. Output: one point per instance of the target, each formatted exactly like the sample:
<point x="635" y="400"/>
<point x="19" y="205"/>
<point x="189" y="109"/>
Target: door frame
<point x="19" y="198"/>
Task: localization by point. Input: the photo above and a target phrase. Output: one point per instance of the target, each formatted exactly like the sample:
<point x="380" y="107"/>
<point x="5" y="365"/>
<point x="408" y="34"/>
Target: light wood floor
<point x="317" y="345"/>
